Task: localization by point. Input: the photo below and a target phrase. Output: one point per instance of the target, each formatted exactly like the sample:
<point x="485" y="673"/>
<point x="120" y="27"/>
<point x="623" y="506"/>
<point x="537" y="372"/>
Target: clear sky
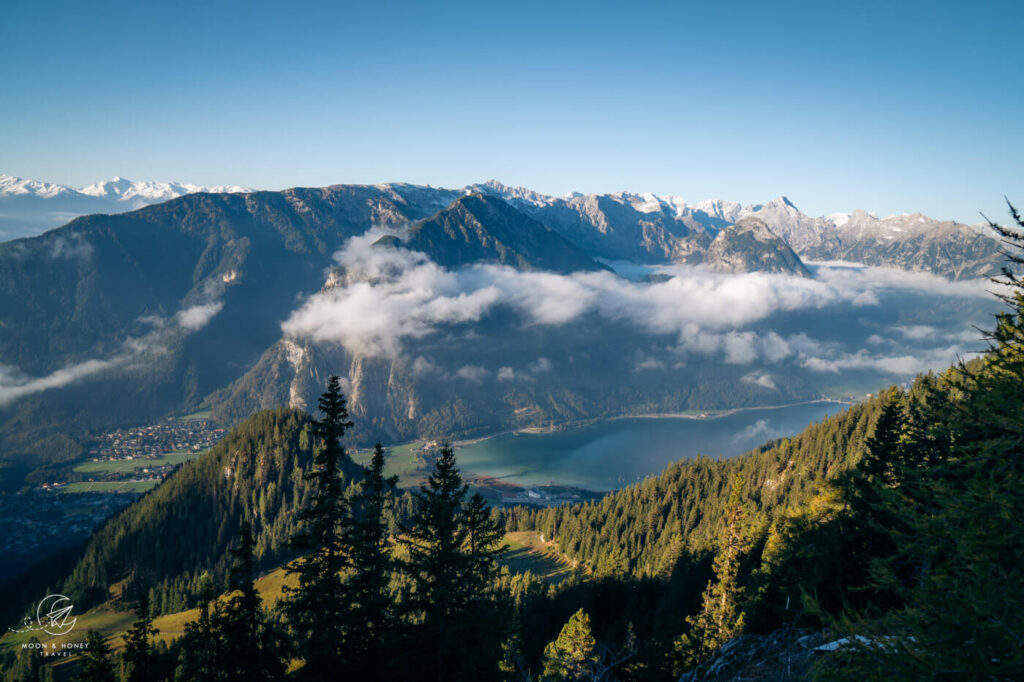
<point x="891" y="106"/>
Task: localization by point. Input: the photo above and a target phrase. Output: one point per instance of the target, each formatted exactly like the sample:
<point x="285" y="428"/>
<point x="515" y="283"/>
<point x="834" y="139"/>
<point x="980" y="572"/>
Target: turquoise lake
<point x="617" y="452"/>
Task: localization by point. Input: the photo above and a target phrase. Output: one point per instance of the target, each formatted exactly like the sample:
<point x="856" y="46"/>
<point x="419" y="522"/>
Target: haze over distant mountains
<point x="28" y="207"/>
<point x="466" y="311"/>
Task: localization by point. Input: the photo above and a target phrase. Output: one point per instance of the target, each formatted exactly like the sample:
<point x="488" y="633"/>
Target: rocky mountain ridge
<point x="650" y="228"/>
<point x="643" y="228"/>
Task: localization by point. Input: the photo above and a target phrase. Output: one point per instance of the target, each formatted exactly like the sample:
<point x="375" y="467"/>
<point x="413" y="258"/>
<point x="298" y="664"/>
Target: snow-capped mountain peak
<point x="122" y="189"/>
<point x="115" y="187"/>
<point x="31" y="206"/>
<point x="720" y="209"/>
<point x="13" y="186"/>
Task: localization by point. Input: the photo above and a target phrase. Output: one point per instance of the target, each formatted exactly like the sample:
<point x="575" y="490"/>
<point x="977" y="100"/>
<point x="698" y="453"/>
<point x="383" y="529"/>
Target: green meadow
<point x="123" y="466"/>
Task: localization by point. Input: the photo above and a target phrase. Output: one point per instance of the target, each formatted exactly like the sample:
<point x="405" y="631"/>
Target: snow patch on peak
<point x="838" y="219"/>
<point x="499" y="189"/>
<point x="729" y="211"/>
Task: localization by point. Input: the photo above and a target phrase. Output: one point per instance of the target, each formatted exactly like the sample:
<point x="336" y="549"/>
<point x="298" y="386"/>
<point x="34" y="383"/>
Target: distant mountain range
<point x="455" y="312"/>
<point x="28" y="207"/>
<point x="650" y="228"/>
<point x="618" y="226"/>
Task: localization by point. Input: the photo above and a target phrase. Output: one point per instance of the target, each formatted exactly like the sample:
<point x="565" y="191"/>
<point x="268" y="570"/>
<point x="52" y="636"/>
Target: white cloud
<point x="758" y="432"/>
<point x="917" y="332"/>
<point x="869" y="280"/>
<point x="902" y="365"/>
<point x="649" y="364"/>
<point x="15" y="385"/>
<point x="386" y="297"/>
<point x="472" y="373"/>
<point x="506" y="374"/>
<point x="762" y="379"/>
<point x="198" y="316"/>
<point x="775" y="348"/>
<point x="422" y="365"/>
<point x="540" y="366"/>
<point x="71" y="246"/>
<point x="740" y="348"/>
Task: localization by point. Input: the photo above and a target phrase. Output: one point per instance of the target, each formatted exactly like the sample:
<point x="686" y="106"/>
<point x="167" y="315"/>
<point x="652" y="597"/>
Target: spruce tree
<point x="957" y="563"/>
<point x="573" y="654"/>
<point x="250" y="651"/>
<point x="316" y="607"/>
<point x="437" y="566"/>
<point x="138" y="653"/>
<point x="96" y="663"/>
<point x="486" y="613"/>
<point x="721" y="615"/>
<point x="200" y="645"/>
<point x="484" y="546"/>
<point x="367" y="537"/>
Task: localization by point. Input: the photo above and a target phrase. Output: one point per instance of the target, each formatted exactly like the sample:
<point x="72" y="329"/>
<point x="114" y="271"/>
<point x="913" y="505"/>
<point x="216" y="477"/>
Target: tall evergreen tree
<point x="200" y="645"/>
<point x="573" y="654"/>
<point x="486" y="613"/>
<point x="250" y="647"/>
<point x="138" y="652"/>
<point x="721" y="615"/>
<point x="316" y="607"/>
<point x="957" y="559"/>
<point x="367" y="536"/>
<point x="437" y="565"/>
<point x="484" y="535"/>
<point x="96" y="663"/>
<point x="243" y="613"/>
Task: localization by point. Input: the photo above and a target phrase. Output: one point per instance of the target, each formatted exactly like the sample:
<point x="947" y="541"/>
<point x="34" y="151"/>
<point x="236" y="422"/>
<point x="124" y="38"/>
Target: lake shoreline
<point x="703" y="415"/>
<point x="612" y="452"/>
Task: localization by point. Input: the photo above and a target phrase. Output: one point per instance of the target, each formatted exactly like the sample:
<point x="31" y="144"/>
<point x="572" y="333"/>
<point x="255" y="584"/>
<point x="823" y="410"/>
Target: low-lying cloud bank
<point x="15" y="384"/>
<point x="388" y="297"/>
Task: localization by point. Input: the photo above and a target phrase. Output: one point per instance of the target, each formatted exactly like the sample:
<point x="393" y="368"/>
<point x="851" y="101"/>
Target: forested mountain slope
<point x="644" y="529"/>
<point x="162" y="543"/>
<point x="136" y="315"/>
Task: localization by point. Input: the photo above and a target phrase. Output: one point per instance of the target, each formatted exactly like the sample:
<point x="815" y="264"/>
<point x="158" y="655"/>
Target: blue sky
<point x="891" y="107"/>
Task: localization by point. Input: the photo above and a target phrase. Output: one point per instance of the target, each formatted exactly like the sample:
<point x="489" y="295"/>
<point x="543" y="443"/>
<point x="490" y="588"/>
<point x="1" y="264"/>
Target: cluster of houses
<point x="146" y="444"/>
<point x="193" y="435"/>
<point x="545" y="496"/>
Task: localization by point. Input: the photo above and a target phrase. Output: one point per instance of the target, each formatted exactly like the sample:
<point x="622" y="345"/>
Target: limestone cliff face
<point x="914" y="242"/>
<point x="750" y="246"/>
